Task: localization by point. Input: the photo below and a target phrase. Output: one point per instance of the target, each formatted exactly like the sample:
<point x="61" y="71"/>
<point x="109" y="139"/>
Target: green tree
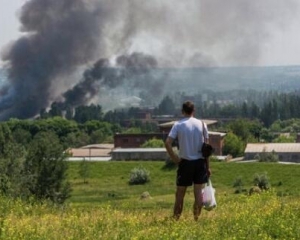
<point x="11" y="169"/>
<point x="56" y="109"/>
<point x="22" y="136"/>
<point x="245" y="110"/>
<point x="98" y="136"/>
<point x="266" y="135"/>
<point x="276" y="126"/>
<point x="245" y="129"/>
<point x="233" y="145"/>
<point x="153" y="143"/>
<point x="254" y="111"/>
<point x="87" y="113"/>
<point x="166" y="106"/>
<point x="44" y="114"/>
<point x="291" y="125"/>
<point x="270" y="112"/>
<point x="69" y="113"/>
<point x="2" y="141"/>
<point x="229" y="111"/>
<point x="58" y="125"/>
<point x="284" y="139"/>
<point x="5" y="136"/>
<point x="114" y="116"/>
<point x="70" y="141"/>
<point x="45" y="169"/>
<point x="93" y="125"/>
<point x="76" y="139"/>
<point x="240" y="127"/>
<point x="82" y="139"/>
<point x="149" y="127"/>
<point x="133" y="130"/>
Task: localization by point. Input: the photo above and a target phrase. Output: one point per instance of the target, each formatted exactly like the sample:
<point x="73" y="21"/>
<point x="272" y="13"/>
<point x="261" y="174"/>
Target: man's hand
<point x="208" y="172"/>
<point x="172" y="154"/>
<point x="176" y="159"/>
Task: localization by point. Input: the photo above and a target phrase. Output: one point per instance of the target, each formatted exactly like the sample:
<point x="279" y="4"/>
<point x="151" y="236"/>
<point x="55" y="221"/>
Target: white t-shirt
<point x="189" y="132"/>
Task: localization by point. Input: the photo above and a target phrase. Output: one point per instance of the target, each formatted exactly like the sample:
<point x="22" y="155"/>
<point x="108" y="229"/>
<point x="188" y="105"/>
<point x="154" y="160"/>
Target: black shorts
<point x="191" y="171"/>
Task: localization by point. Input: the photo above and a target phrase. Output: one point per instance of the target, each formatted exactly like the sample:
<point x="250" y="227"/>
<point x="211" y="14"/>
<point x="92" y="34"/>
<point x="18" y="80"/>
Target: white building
<point x="287" y="152"/>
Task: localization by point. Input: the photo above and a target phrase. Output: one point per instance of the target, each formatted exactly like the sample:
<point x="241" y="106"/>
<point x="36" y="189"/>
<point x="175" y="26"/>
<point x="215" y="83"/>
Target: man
<point x="193" y="169"/>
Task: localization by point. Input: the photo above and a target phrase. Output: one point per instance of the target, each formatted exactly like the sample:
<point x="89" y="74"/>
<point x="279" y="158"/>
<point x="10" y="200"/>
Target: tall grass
<point x="107" y="207"/>
<point x="264" y="216"/>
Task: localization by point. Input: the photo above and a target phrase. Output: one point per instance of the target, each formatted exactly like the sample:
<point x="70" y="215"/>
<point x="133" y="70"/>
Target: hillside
<point x="107" y="207"/>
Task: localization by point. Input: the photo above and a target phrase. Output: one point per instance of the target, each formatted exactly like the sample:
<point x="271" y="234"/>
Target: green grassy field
<point x="107" y="207"/>
<point x="108" y="181"/>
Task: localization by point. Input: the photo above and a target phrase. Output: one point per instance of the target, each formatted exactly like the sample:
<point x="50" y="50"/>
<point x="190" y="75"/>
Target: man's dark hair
<point x="188" y="107"/>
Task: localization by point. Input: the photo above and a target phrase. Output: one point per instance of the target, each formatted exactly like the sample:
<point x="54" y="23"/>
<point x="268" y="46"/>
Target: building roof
<point x="116" y="150"/>
<point x="269" y="147"/>
<point x="170" y="124"/>
<point x="98" y="159"/>
<point x="95" y="150"/>
<point x="99" y="146"/>
<point x="208" y="122"/>
<point x="89" y="152"/>
<point x="222" y="134"/>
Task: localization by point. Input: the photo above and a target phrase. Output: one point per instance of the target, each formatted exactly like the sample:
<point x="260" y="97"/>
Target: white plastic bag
<point x="208" y="196"/>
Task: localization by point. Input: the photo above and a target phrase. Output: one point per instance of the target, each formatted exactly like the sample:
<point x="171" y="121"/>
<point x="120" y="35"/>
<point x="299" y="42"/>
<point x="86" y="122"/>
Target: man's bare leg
<point x="198" y="200"/>
<point x="179" y="197"/>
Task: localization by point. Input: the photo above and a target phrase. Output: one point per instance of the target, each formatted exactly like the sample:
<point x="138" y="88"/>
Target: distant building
<point x="94" y="152"/>
<point x="166" y="127"/>
<point x="151" y="154"/>
<point x="287" y="152"/>
<point x="134" y="140"/>
<point x="216" y="139"/>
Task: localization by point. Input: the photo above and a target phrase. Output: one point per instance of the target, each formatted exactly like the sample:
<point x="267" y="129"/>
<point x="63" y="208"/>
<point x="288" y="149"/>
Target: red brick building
<point x="216" y="139"/>
<point x="135" y="140"/>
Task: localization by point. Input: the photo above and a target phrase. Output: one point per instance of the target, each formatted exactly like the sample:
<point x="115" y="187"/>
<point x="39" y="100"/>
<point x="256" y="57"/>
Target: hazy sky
<point x="282" y="46"/>
<point x="9" y="24"/>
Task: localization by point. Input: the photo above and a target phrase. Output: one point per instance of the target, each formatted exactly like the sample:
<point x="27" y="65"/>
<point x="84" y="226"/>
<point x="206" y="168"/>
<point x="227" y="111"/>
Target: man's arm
<point x="169" y="148"/>
<point x="207" y="166"/>
<point x="206" y="140"/>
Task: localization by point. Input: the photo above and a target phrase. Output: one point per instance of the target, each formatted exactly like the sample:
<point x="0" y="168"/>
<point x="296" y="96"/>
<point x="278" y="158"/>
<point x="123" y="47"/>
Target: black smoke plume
<point x="60" y="36"/>
<point x="131" y="71"/>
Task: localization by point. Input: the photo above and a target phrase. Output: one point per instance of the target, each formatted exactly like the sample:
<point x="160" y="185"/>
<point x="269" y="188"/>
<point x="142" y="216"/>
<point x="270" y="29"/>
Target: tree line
<point x="265" y="106"/>
<point x="32" y="151"/>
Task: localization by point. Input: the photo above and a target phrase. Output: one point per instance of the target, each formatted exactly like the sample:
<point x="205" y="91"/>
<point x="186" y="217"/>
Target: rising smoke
<point x="130" y="71"/>
<point x="134" y="36"/>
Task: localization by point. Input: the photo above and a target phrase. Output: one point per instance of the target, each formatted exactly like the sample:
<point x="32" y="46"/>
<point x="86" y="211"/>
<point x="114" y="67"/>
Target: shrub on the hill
<point x="139" y="175"/>
<point x="267" y="156"/>
<point x="262" y="181"/>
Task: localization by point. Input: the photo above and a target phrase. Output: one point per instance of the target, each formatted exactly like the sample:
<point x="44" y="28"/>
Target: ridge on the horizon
<point x="280" y="78"/>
